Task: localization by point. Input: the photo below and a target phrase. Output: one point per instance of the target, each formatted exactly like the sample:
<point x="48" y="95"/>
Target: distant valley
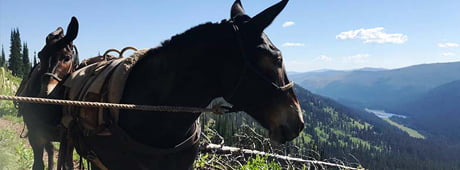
<point x="387" y="117"/>
<point x="428" y="94"/>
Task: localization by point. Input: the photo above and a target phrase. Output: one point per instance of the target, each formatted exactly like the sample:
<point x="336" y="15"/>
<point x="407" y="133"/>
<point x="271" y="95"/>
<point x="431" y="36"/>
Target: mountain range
<point x="427" y="94"/>
<point x="379" y="88"/>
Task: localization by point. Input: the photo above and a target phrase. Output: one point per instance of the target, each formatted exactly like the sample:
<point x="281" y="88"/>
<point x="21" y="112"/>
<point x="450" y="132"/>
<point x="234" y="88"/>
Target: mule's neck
<point x="186" y="71"/>
<point x="190" y="65"/>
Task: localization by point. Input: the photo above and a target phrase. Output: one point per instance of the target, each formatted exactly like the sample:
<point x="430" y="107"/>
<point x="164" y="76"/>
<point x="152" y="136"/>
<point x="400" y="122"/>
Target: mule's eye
<point x="66" y="58"/>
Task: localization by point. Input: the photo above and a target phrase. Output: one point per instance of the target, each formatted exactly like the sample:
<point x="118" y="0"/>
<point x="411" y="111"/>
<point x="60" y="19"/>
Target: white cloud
<point x="288" y="24"/>
<point x="324" y="58"/>
<point x="292" y="44"/>
<point x="373" y="35"/>
<point x="448" y="54"/>
<point x="447" y="44"/>
<point x="358" y="58"/>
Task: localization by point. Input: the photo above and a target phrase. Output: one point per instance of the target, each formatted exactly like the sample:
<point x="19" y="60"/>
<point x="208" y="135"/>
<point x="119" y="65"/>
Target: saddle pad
<point x="100" y="82"/>
<point x="93" y="60"/>
<point x="120" y="74"/>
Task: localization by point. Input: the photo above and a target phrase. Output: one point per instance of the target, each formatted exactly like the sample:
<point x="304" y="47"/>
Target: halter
<point x="75" y="61"/>
<point x="277" y="87"/>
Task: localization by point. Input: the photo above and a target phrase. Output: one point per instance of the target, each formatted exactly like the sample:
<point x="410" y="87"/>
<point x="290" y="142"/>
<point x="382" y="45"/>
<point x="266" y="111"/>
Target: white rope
<point x="216" y="109"/>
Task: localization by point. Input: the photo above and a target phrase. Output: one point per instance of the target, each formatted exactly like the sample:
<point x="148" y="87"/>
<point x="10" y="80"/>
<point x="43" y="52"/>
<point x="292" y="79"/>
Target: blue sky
<point x="312" y="34"/>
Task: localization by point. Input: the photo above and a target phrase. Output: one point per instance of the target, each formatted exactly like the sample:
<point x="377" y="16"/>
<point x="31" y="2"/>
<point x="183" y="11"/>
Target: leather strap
<point x="137" y="147"/>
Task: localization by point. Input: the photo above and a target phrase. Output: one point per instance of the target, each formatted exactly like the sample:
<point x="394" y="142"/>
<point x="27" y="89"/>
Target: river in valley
<point x="383" y="114"/>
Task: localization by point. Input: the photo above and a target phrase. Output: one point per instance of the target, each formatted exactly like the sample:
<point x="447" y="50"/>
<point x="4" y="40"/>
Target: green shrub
<point x="8" y="86"/>
<point x="208" y="161"/>
<point x="261" y="163"/>
<point x="13" y="153"/>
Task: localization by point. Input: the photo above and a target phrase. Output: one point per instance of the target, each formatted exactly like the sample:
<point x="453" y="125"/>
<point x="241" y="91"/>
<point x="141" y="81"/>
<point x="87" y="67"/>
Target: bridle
<point x="276" y="87"/>
<point x="69" y="70"/>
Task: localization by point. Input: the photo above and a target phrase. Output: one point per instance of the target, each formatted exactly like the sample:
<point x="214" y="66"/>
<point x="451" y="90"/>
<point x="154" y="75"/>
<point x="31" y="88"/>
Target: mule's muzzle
<point x="49" y="83"/>
<point x="290" y="127"/>
<point x="282" y="134"/>
<point x="291" y="132"/>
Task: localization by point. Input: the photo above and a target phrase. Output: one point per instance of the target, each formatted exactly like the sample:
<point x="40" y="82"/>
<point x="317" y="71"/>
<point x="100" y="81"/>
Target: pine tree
<point x="35" y="58"/>
<point x="25" y="60"/>
<point x="2" y="58"/>
<point x="15" y="61"/>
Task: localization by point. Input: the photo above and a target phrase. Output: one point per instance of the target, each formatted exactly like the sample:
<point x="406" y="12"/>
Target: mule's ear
<point x="266" y="17"/>
<point x="71" y="34"/>
<point x="237" y="9"/>
<point x="72" y="29"/>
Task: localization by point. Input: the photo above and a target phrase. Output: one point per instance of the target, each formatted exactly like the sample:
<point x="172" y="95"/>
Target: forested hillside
<point x="376" y="144"/>
<point x="333" y="131"/>
<point x="437" y="112"/>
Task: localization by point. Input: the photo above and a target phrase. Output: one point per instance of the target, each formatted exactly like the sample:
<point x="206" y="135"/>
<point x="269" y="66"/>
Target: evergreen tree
<point x="35" y="58"/>
<point x="25" y="60"/>
<point x="2" y="58"/>
<point x="15" y="61"/>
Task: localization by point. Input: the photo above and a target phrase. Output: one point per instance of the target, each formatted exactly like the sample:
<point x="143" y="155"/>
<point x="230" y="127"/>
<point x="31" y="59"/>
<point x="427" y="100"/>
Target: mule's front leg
<point x="37" y="147"/>
<point x="50" y="150"/>
<point x="69" y="155"/>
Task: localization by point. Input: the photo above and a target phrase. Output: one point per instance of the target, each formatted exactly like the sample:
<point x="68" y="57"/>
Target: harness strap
<point x="137" y="147"/>
<point x="129" y="145"/>
<point x="53" y="76"/>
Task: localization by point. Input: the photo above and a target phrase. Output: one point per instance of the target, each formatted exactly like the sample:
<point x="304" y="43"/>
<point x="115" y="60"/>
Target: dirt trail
<point x="8" y="124"/>
<point x="4" y="124"/>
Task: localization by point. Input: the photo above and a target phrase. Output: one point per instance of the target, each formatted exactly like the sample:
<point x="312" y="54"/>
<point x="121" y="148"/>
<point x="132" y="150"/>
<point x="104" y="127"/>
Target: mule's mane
<point x="199" y="33"/>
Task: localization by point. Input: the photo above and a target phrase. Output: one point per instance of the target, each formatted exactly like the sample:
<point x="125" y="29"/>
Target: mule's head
<point x="59" y="57"/>
<point x="263" y="89"/>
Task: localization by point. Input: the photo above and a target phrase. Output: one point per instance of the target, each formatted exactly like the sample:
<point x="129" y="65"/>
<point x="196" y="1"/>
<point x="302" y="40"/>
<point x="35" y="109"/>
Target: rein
<point x="277" y="87"/>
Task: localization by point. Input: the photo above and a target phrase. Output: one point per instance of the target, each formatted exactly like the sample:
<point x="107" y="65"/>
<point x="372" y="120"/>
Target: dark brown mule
<point x="58" y="59"/>
<point x="233" y="59"/>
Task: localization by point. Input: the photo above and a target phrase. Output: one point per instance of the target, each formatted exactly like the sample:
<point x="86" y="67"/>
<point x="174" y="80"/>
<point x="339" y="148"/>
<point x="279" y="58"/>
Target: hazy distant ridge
<point x="366" y="88"/>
